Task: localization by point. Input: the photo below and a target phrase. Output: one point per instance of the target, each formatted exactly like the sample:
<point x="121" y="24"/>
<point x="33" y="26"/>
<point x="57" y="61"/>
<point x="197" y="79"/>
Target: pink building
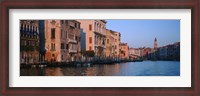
<point x="95" y="35"/>
<point x="124" y="53"/>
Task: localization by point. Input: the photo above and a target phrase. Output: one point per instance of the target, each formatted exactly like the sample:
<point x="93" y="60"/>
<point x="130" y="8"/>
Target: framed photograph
<point x="104" y="47"/>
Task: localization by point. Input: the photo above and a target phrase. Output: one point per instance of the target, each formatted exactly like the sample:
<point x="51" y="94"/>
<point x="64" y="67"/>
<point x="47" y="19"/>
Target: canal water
<point x="145" y="68"/>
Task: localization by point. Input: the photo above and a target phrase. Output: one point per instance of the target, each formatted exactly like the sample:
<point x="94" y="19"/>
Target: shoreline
<point x="81" y="64"/>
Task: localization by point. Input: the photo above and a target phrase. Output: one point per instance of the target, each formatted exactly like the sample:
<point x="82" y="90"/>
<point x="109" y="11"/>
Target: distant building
<point x="146" y="51"/>
<point x="163" y="52"/>
<point x="132" y="54"/>
<point x="29" y="41"/>
<point x="124" y="53"/>
<point x="173" y="51"/>
<point x="95" y="35"/>
<point x="169" y="52"/>
<point x="137" y="52"/>
<point x="155" y="44"/>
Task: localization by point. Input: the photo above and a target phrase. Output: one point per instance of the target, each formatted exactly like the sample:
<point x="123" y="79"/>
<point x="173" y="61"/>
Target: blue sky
<point x="141" y="33"/>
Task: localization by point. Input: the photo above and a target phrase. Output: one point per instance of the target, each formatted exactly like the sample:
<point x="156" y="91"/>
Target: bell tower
<point x="155" y="44"/>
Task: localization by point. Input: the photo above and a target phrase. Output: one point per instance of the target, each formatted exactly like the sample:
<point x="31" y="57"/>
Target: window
<point x="67" y="46"/>
<point x="53" y="46"/>
<point x="61" y="33"/>
<point x="75" y="25"/>
<point x="25" y="42"/>
<point x="53" y="33"/>
<point x="90" y="48"/>
<point x="90" y="27"/>
<point x="62" y="21"/>
<point x="62" y="46"/>
<point x="62" y="57"/>
<point x="78" y="25"/>
<point x="90" y="40"/>
<point x="108" y="41"/>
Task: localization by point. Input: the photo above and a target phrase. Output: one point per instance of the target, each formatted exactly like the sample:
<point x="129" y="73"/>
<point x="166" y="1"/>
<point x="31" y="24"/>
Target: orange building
<point x="117" y="41"/>
<point x="124" y="51"/>
<point x="110" y="43"/>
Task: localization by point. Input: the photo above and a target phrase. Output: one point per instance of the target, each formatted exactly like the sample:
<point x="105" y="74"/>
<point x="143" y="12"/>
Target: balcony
<point x="72" y="51"/>
<point x="102" y="34"/>
<point x="71" y="24"/>
<point x="72" y="41"/>
<point x="100" y="45"/>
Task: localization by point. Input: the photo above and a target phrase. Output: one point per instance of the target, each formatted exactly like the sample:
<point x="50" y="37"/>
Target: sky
<point x="141" y="33"/>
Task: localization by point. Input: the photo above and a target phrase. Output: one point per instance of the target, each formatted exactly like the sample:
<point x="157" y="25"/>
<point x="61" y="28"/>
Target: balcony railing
<point x="100" y="45"/>
<point x="72" y="51"/>
<point x="72" y="41"/>
<point x="71" y="24"/>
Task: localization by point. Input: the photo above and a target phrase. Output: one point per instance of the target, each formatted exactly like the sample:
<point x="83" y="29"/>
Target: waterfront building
<point x="168" y="52"/>
<point x="117" y="37"/>
<point x="146" y="52"/>
<point x="29" y="41"/>
<point x="95" y="35"/>
<point x="137" y="52"/>
<point x="132" y="54"/>
<point x="124" y="51"/>
<point x="173" y="51"/>
<point x="110" y="43"/>
<point x="163" y="52"/>
<point x="62" y="40"/>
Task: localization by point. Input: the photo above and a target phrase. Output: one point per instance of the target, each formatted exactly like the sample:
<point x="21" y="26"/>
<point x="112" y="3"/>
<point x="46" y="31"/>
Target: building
<point x="117" y="37"/>
<point x="132" y="53"/>
<point x="110" y="43"/>
<point x="124" y="52"/>
<point x="169" y="52"/>
<point x="146" y="51"/>
<point x="155" y="44"/>
<point x="62" y="40"/>
<point x="137" y="52"/>
<point x="95" y="35"/>
<point x="29" y="41"/>
<point x="163" y="52"/>
<point x="173" y="51"/>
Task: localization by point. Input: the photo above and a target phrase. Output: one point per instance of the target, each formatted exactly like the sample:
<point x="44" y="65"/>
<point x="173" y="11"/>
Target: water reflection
<point x="53" y="72"/>
<point x="146" y="68"/>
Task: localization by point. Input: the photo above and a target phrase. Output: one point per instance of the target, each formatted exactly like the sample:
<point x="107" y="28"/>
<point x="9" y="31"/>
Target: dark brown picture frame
<point x="99" y="4"/>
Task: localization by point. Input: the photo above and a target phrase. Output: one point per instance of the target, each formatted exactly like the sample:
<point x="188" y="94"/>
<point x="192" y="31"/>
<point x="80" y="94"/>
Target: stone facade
<point x="110" y="43"/>
<point x="29" y="41"/>
<point x="95" y="35"/>
<point x="117" y="41"/>
<point x="62" y="40"/>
